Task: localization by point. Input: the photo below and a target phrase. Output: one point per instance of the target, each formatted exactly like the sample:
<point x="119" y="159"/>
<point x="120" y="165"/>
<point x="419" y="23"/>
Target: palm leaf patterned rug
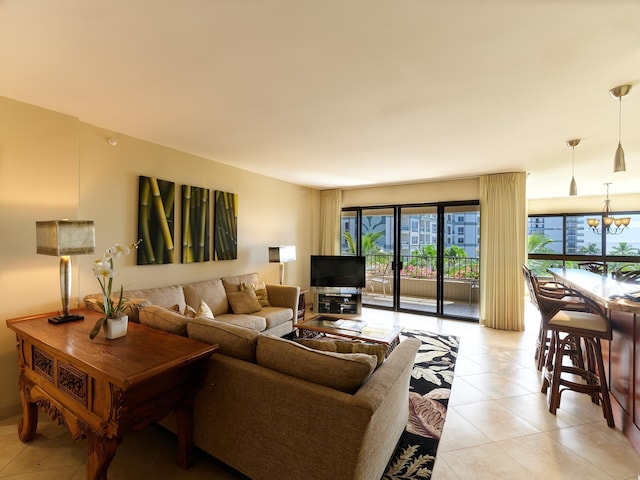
<point x="429" y="391"/>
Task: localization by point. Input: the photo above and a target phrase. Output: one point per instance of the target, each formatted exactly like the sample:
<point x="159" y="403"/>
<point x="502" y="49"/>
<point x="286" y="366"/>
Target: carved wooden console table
<point x="102" y="389"/>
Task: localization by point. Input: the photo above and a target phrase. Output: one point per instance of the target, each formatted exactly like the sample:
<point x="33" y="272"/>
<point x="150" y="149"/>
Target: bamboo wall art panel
<point x="225" y="226"/>
<point x="155" y="220"/>
<point x="195" y="224"/>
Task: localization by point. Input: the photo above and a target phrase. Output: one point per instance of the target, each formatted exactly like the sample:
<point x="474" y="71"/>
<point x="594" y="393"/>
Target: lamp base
<point x="65" y="318"/>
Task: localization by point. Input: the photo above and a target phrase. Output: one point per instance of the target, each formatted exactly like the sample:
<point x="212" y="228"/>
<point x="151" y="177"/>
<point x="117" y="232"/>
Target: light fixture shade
<point x="65" y="237"/>
<point x="573" y="188"/>
<point x="282" y="254"/>
<point x="618" y="160"/>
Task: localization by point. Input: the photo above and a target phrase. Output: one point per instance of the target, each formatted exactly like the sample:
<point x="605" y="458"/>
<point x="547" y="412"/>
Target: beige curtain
<point x="330" y="213"/>
<point x="503" y="234"/>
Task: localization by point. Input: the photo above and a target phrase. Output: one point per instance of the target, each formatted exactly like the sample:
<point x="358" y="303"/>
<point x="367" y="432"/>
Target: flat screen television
<point x="338" y="271"/>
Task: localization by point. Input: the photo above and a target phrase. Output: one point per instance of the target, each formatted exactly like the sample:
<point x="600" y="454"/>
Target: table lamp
<point x="282" y="255"/>
<point x="62" y="238"/>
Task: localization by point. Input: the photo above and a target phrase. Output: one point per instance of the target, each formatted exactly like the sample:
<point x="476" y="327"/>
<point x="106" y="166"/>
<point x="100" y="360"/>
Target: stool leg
<point x="541" y="348"/>
<point x="548" y="362"/>
<point x="606" y="401"/>
<point x="553" y="397"/>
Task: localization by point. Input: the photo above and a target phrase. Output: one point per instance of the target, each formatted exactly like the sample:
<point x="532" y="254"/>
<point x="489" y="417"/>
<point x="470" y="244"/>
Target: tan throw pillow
<point x="244" y="302"/>
<point x="344" y="372"/>
<point x="232" y="340"/>
<point x="379" y="350"/>
<point x="261" y="292"/>
<point x="165" y="319"/>
<point x="204" y="311"/>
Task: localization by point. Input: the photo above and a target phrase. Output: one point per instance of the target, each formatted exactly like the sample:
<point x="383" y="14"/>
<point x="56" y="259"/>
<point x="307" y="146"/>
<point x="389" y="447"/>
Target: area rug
<point x="429" y="391"/>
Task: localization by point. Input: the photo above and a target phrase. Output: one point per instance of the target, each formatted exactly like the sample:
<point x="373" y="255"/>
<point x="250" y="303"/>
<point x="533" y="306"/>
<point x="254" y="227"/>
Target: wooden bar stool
<point x="571" y="329"/>
<point x="555" y="290"/>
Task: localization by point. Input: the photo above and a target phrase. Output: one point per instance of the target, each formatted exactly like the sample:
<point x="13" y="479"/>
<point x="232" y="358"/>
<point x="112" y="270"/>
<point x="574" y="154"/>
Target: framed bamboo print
<point x="156" y="199"/>
<point x="195" y="224"/>
<point x="225" y="226"/>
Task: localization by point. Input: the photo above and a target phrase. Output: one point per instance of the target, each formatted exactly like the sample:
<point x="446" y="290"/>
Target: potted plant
<point x="115" y="320"/>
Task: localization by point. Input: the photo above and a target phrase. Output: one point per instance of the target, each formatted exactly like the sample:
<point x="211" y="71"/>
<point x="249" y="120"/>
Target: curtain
<point x="330" y="213"/>
<point x="503" y="234"/>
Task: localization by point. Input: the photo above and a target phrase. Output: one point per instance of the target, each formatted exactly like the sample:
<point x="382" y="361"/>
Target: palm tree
<point x="368" y="243"/>
<point x="538" y="243"/>
<point x="624" y="249"/>
<point x="590" y="249"/>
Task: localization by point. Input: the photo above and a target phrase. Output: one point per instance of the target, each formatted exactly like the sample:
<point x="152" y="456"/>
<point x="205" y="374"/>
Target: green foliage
<point x="538" y="243"/>
<point x="368" y="243"/>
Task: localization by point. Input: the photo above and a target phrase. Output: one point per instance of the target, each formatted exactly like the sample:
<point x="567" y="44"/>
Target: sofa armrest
<point x="395" y="370"/>
<point x="284" y="296"/>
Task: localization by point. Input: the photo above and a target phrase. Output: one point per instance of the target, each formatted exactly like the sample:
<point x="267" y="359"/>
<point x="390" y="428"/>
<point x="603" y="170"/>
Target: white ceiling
<point x="345" y="93"/>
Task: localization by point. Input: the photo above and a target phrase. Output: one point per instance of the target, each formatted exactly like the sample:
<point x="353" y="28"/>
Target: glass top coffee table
<point x="353" y="328"/>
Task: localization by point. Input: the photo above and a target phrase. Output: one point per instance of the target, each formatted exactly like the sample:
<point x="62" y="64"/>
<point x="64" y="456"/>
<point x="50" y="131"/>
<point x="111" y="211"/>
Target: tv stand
<point x="339" y="301"/>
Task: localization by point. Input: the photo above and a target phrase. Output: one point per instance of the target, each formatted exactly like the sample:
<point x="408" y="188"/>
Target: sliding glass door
<point x="420" y="258"/>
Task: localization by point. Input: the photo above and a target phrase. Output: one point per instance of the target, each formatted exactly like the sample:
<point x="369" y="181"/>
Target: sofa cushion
<point x="132" y="305"/>
<point x="210" y="291"/>
<point x="275" y="316"/>
<point x="261" y="292"/>
<point x="232" y="284"/>
<point x="254" y="322"/>
<point x="342" y="371"/>
<point x="244" y="301"/>
<point x="164" y="319"/>
<point x="379" y="350"/>
<point x="233" y="341"/>
<point x="163" y="296"/>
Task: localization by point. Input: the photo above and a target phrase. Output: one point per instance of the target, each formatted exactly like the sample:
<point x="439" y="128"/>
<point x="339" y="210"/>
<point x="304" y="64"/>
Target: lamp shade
<point x="65" y="237"/>
<point x="282" y="254"/>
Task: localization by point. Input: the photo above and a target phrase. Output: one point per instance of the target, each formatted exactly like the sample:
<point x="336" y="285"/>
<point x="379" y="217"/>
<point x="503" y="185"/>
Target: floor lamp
<point x="282" y="255"/>
<point x="63" y="238"/>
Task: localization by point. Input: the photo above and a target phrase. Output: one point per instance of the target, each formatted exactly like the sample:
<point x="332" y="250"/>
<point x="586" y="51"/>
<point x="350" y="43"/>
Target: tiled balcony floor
<point x="497" y="426"/>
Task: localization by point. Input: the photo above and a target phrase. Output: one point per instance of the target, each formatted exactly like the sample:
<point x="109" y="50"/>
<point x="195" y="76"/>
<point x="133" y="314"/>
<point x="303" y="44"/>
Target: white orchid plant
<point x="104" y="271"/>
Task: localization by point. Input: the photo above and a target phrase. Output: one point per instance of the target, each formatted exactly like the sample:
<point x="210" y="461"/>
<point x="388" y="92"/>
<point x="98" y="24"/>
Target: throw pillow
<point x="204" y="311"/>
<point x="244" y="302"/>
<point x="344" y="372"/>
<point x="379" y="350"/>
<point x="261" y="292"/>
<point x="165" y="319"/>
<point x="189" y="311"/>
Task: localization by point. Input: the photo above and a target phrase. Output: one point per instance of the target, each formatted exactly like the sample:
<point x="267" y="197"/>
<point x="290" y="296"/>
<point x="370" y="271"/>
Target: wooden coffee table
<point x="353" y="328"/>
<point x="102" y="389"/>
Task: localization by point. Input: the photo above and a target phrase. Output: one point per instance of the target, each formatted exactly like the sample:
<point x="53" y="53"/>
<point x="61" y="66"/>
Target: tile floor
<point x="497" y="426"/>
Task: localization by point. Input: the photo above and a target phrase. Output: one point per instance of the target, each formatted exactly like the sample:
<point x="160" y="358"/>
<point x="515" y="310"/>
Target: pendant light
<point x="618" y="159"/>
<point x="573" y="187"/>
<point x="610" y="224"/>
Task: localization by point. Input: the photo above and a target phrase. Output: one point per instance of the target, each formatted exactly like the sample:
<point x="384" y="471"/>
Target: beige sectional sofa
<point x="272" y="408"/>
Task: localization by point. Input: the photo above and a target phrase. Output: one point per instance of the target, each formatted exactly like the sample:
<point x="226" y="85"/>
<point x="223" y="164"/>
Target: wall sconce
<point x="62" y="238"/>
<point x="282" y="255"/>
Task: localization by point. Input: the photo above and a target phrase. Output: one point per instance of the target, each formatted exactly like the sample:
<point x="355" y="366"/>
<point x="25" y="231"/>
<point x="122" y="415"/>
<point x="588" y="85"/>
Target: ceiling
<point x="346" y="93"/>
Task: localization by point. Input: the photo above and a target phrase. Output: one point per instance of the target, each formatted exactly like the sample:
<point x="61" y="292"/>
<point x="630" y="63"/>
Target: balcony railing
<point x="422" y="266"/>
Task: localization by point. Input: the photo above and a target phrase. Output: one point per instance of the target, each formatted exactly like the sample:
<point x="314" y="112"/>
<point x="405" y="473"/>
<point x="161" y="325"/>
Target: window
<point x="566" y="240"/>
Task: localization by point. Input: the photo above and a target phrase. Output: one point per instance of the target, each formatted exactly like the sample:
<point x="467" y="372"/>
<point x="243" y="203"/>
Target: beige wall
<point x="452" y="190"/>
<point x="580" y="204"/>
<point x="55" y="166"/>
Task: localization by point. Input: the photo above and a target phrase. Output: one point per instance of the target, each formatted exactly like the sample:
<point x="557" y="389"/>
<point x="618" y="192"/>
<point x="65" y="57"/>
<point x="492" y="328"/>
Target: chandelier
<point x="610" y="224"/>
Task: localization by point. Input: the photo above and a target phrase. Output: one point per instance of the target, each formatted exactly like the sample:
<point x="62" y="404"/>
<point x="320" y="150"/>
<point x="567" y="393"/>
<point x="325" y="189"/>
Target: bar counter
<point x="622" y="354"/>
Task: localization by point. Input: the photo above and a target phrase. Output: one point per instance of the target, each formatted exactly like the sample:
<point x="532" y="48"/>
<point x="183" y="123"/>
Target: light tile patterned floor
<point x="497" y="426"/>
